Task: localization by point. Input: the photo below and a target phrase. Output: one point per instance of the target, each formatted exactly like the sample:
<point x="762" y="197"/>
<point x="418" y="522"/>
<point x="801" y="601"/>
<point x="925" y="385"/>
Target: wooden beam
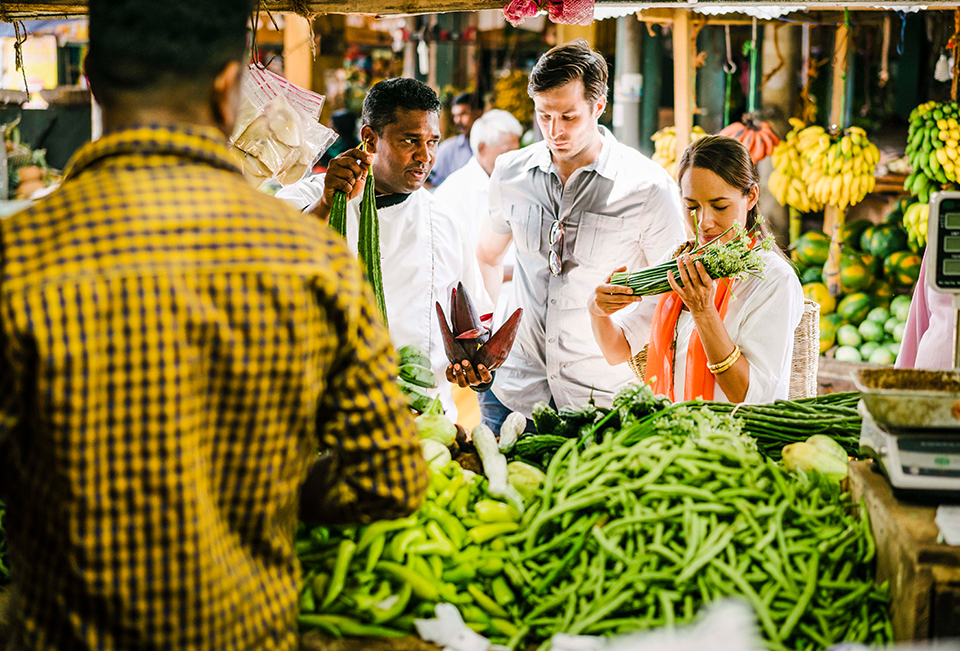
<point x="684" y="78"/>
<point x="297" y="53"/>
<point x="833" y="217"/>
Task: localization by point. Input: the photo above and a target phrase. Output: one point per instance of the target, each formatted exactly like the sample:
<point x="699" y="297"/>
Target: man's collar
<point x="201" y="144"/>
<point x="602" y="166"/>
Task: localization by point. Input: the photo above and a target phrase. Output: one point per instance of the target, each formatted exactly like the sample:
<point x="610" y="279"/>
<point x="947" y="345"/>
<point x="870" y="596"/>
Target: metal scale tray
<point x="910" y="399"/>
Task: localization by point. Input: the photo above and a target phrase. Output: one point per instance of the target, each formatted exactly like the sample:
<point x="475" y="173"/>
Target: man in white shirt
<point x="454" y="152"/>
<point x="577" y="205"/>
<point x="423" y="251"/>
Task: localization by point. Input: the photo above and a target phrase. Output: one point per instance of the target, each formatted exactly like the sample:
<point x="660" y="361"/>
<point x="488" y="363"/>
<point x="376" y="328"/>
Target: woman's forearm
<point x="717" y="345"/>
<point x="611" y="339"/>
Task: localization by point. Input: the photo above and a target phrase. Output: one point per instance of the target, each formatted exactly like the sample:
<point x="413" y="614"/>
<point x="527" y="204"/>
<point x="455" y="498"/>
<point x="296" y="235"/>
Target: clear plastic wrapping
<point x="278" y="134"/>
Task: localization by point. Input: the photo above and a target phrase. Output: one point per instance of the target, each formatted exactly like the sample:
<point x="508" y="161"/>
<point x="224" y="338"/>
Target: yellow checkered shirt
<point x="174" y="347"/>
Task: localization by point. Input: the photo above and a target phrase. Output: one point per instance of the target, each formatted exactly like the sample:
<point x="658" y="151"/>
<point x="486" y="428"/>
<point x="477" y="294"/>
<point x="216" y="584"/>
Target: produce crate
<point x="924" y="576"/>
<point x="316" y="642"/>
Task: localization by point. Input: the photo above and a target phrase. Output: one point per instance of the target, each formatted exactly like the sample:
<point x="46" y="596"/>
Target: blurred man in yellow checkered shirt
<point x="174" y="348"/>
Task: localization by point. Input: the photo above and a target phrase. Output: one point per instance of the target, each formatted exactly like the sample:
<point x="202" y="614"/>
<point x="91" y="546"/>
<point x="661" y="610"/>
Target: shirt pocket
<point x="527" y="223"/>
<point x="601" y="240"/>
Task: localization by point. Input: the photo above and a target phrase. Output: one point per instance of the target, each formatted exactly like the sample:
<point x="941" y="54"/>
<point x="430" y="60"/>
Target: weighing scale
<point x="911" y="418"/>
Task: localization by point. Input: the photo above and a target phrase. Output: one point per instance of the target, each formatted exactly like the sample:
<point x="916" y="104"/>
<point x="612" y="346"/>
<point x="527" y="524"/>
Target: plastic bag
<point x="278" y="134"/>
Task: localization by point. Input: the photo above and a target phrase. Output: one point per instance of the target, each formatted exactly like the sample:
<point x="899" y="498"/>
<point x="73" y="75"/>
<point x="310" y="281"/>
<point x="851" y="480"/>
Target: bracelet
<point x="724" y="365"/>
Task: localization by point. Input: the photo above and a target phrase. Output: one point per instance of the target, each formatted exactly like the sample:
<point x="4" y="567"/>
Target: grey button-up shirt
<point x="623" y="209"/>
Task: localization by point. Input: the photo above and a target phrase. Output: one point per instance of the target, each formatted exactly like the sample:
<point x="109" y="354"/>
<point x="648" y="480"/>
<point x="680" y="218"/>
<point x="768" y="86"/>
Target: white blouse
<point x="761" y="318"/>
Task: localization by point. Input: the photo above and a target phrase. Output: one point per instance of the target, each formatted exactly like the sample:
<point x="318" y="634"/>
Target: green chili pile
<point x="644" y="527"/>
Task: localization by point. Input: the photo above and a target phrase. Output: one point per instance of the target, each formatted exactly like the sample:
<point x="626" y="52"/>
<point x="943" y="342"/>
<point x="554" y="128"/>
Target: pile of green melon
<point x="878" y="271"/>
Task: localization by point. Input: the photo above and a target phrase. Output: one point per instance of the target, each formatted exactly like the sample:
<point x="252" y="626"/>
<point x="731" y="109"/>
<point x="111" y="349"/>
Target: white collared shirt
<point x="423" y="256"/>
<point x="623" y="209"/>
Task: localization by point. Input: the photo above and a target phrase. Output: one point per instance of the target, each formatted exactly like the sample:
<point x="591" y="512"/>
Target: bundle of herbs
<point x="736" y="258"/>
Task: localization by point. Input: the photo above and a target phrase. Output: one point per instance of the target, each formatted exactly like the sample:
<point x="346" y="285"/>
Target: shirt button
<point x="553" y="377"/>
<point x="553" y="301"/>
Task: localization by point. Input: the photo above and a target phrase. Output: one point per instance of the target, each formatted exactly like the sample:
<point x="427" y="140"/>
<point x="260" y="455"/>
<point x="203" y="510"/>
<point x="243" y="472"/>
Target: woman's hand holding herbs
<point x="698" y="288"/>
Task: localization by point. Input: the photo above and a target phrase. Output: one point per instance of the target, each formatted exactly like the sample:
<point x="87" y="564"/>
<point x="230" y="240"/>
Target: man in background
<point x="175" y="347"/>
<point x="454" y="152"/>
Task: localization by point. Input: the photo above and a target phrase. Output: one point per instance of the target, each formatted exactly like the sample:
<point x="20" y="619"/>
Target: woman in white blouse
<point x="710" y="339"/>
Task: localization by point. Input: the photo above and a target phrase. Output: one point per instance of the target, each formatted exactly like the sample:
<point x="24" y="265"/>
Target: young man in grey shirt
<point x="578" y="205"/>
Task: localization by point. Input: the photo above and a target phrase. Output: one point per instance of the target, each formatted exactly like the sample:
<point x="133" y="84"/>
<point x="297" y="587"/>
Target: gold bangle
<point x="725" y="364"/>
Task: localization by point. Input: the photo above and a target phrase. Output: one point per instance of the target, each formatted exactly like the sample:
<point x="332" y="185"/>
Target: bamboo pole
<point x="684" y="78"/>
<point x="833" y="217"/>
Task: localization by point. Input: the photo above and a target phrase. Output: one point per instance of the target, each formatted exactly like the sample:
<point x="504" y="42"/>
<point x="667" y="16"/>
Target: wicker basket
<point x="806" y="354"/>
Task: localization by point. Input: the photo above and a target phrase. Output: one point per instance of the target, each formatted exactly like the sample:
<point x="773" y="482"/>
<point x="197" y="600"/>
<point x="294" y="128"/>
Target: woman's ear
<point x="753" y="197"/>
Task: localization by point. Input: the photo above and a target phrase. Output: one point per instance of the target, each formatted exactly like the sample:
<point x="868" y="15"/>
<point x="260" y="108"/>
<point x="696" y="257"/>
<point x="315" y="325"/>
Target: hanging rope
<point x="903" y="29"/>
<point x="20" y="33"/>
<point x="780" y="60"/>
<point x="730" y="68"/>
<point x="752" y="47"/>
<point x="885" y="56"/>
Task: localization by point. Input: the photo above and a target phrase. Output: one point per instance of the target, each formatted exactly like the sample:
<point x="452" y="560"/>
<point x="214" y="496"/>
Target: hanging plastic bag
<point x="278" y="134"/>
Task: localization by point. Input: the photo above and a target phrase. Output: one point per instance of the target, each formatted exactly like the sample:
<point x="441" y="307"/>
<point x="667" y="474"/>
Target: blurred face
<point x="464" y="117"/>
<point x="405" y="152"/>
<point x="714" y="206"/>
<point x="487" y="154"/>
<point x="568" y="120"/>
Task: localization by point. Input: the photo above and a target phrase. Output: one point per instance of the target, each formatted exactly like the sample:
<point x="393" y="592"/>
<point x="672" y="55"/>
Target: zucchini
<point x="418" y="375"/>
<point x="546" y="418"/>
<point x="536" y="447"/>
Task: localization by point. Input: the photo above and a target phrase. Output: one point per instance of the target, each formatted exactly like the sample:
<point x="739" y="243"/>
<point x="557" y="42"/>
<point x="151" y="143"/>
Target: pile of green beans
<point x="791" y="421"/>
<point x="373" y="581"/>
<point x="644" y="527"/>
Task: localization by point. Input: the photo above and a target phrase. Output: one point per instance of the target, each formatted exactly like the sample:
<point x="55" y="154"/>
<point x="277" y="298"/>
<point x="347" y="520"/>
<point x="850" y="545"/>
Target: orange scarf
<point x="699" y="381"/>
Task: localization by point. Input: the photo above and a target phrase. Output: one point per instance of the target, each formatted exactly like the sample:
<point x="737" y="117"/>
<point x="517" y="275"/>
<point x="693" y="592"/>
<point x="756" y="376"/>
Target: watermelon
<point x="890" y="324"/>
<point x="878" y="314"/>
<point x="903" y="268"/>
<point x="828" y="335"/>
<point x="811" y="275"/>
<point x="836" y="320"/>
<point x="854" y="273"/>
<point x="817" y="292"/>
<point x="871" y="330"/>
<point x="882" y="291"/>
<point x="812" y="248"/>
<point x="894" y="348"/>
<point x="854" y="307"/>
<point x="882" y="355"/>
<point x="883" y="239"/>
<point x="851" y="232"/>
<point x="848" y="335"/>
<point x="900" y="307"/>
<point x="873" y="263"/>
<point x="847" y="354"/>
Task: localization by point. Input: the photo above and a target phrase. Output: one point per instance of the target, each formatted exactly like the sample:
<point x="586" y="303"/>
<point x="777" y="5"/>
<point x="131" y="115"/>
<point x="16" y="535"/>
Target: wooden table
<point x="924" y="575"/>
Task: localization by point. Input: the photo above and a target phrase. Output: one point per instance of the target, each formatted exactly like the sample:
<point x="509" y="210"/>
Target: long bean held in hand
<point x="733" y="259"/>
<point x="792" y="421"/>
<point x="642" y="528"/>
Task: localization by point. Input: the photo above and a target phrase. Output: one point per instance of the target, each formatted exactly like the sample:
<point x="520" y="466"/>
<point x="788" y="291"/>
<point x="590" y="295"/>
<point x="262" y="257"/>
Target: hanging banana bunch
<point x="839" y="169"/>
<point x="665" y="147"/>
<point x="786" y="181"/>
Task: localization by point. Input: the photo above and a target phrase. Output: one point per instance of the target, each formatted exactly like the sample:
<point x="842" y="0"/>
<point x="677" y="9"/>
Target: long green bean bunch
<point x="733" y="259"/>
<point x="643" y="528"/>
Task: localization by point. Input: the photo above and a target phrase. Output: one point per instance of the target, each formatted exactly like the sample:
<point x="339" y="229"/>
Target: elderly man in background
<point x="454" y="152"/>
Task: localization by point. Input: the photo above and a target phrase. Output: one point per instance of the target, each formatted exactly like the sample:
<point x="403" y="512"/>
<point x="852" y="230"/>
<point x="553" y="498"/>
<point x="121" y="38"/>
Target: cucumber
<point x="414" y="355"/>
<point x="418" y="375"/>
<point x="536" y="446"/>
<point x="416" y="398"/>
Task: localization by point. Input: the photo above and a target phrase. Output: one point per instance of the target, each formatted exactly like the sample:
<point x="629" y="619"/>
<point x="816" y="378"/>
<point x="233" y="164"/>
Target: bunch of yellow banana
<point x="665" y="147"/>
<point x="839" y="169"/>
<point x="786" y="181"/>
<point x="915" y="221"/>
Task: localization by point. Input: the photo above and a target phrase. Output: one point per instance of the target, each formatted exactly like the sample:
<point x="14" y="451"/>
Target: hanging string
<point x="780" y="61"/>
<point x="752" y="46"/>
<point x="255" y="27"/>
<point x="730" y="68"/>
<point x="20" y="33"/>
<point x="903" y="29"/>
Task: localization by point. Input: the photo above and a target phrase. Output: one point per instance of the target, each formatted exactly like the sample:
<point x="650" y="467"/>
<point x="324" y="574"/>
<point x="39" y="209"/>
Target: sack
<point x="278" y="134"/>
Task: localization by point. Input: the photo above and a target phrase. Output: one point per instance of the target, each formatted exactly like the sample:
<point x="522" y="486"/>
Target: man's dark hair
<point x="140" y="45"/>
<point x="570" y="62"/>
<point x="382" y="101"/>
<point x="467" y="99"/>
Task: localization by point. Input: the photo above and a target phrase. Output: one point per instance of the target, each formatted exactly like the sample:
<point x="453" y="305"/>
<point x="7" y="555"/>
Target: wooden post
<point x="297" y="56"/>
<point x="684" y="78"/>
<point x="833" y="217"/>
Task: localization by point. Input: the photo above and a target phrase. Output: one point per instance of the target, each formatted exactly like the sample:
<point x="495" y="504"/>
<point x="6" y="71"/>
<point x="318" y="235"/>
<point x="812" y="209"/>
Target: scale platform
<point x="911" y="428"/>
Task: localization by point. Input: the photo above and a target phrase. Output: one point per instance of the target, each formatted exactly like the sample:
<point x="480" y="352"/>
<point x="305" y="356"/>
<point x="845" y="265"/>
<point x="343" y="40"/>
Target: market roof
<point x="63" y="8"/>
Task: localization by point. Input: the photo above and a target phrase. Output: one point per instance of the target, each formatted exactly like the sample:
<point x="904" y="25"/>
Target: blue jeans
<point x="493" y="413"/>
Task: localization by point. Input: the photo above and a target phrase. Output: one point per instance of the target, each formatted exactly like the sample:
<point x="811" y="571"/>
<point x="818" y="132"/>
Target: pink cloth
<point x="928" y="337"/>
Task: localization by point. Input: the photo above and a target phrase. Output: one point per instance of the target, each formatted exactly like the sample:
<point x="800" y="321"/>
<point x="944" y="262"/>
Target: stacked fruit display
<point x="933" y="149"/>
<point x="665" y="147"/>
<point x="839" y="169"/>
<point x="915" y="221"/>
<point x="875" y="264"/>
<point x="758" y="137"/>
<point x="786" y="181"/>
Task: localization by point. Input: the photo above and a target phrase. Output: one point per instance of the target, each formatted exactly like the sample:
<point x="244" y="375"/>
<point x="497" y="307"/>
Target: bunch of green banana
<point x="415" y="375"/>
<point x="933" y="149"/>
<point x="786" y="181"/>
<point x="839" y="169"/>
<point x="665" y="147"/>
<point x="915" y="221"/>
